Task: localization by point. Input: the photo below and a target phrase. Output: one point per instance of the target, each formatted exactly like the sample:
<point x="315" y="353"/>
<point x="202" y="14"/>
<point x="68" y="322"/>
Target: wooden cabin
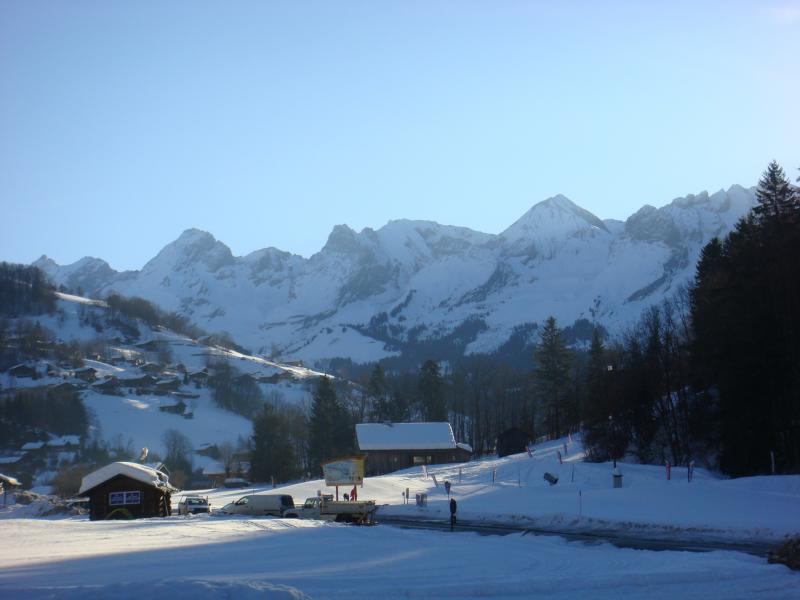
<point x="389" y="447"/>
<point x="127" y="490"/>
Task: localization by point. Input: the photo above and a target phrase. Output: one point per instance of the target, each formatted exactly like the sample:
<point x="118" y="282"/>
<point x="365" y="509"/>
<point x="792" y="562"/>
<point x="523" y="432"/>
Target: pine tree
<point x="273" y="451"/>
<point x="552" y="375"/>
<point x="379" y="394"/>
<point x="330" y="430"/>
<point x="775" y="194"/>
<point x="431" y="391"/>
<point x="746" y="325"/>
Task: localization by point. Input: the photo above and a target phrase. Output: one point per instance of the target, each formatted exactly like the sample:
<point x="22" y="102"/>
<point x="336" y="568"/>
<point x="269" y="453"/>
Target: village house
<point x="392" y="446"/>
<point x="109" y="386"/>
<point x="199" y="378"/>
<point x="152" y="368"/>
<point x="20" y="371"/>
<point x="127" y="490"/>
<point x="87" y="374"/>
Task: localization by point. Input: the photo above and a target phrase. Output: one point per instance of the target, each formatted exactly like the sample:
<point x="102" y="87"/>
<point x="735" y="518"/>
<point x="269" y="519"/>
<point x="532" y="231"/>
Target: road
<point x="619" y="539"/>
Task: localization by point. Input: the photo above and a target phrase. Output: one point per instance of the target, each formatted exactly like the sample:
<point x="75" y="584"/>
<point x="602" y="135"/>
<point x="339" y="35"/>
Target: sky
<point x="267" y="123"/>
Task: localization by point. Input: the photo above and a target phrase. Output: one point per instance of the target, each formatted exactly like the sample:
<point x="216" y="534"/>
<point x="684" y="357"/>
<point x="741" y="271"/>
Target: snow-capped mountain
<point x="375" y="293"/>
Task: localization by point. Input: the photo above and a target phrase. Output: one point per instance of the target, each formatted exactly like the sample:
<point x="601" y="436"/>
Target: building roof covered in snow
<point x="405" y="436"/>
<point x="32" y="446"/>
<point x="8" y="480"/>
<point x="135" y="471"/>
<point x="214" y="468"/>
<point x="65" y="440"/>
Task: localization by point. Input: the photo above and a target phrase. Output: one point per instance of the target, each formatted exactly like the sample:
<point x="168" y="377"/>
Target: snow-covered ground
<point x="273" y="558"/>
<point x="231" y="557"/>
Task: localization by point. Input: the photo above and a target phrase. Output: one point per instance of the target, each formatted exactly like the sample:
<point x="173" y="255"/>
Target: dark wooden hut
<point x="392" y="446"/>
<point x="512" y="441"/>
<point x="127" y="490"/>
<point x="21" y="371"/>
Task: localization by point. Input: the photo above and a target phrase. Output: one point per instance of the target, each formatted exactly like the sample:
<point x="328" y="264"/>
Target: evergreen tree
<point x="746" y="325"/>
<point x="431" y="392"/>
<point x="776" y="196"/>
<point x="379" y="395"/>
<point x="552" y="375"/>
<point x="273" y="450"/>
<point x="330" y="430"/>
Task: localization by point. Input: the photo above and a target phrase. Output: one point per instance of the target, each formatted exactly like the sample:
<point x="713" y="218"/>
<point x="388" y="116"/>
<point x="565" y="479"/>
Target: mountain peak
<point x="193" y="236"/>
<point x="192" y="246"/>
<point x="341" y="239"/>
<point x="555" y="217"/>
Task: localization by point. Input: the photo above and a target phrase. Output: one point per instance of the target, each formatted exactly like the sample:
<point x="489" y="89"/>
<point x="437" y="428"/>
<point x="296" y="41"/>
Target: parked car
<point x="260" y="504"/>
<point x="235" y="482"/>
<point x="193" y="505"/>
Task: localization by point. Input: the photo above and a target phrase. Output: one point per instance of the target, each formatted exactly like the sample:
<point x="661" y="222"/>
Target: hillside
<point x="418" y="287"/>
<point x="134" y="382"/>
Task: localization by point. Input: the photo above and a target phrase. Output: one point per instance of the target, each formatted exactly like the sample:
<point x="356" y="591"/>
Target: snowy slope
<point x="750" y="508"/>
<point x="372" y="294"/>
<point x="134" y="417"/>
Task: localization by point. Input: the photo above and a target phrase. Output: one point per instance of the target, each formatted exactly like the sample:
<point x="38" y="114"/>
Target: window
<point x="122" y="498"/>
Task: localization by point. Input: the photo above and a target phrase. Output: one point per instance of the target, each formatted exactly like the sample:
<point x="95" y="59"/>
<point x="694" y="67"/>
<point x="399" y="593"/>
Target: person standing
<point x="453" y="508"/>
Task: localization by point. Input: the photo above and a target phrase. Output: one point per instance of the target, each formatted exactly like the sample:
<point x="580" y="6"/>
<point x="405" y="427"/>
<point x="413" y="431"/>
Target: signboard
<point x="346" y="471"/>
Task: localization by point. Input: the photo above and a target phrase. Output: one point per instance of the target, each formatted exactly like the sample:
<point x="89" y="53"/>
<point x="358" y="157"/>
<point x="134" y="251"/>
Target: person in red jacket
<point x="354" y="494"/>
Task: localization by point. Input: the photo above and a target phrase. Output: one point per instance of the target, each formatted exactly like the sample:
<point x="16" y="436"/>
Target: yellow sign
<point x="345" y="471"/>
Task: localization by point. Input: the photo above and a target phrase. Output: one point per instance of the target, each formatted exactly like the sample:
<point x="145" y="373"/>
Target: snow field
<point x="179" y="557"/>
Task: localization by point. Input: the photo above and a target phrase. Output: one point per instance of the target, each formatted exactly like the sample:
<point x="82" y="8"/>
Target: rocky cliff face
<point x="374" y="293"/>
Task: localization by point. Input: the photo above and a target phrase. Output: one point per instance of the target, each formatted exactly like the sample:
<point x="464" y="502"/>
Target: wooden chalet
<point x="21" y="371"/>
<point x="392" y="446"/>
<point x="152" y="368"/>
<point x="87" y="374"/>
<point x="127" y="490"/>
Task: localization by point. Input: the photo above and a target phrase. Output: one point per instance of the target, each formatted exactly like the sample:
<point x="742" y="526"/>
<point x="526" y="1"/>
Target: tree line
<point x="710" y="375"/>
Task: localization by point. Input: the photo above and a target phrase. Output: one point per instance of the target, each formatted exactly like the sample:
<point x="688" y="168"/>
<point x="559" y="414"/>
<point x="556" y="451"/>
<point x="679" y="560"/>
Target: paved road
<point x="619" y="539"/>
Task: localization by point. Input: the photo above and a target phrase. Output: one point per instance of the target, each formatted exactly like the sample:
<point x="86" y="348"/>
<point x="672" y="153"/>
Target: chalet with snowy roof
<point x="28" y="446"/>
<point x="168" y="385"/>
<point x="199" y="377"/>
<point x="20" y="371"/>
<point x="6" y="483"/>
<point x="64" y="442"/>
<point x="110" y="385"/>
<point x="87" y="374"/>
<point x="392" y="446"/>
<point x="127" y="490"/>
<point x="152" y="368"/>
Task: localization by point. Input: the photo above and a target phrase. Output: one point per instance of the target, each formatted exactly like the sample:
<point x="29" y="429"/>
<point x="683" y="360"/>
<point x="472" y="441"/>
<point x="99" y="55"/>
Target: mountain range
<point x="420" y="288"/>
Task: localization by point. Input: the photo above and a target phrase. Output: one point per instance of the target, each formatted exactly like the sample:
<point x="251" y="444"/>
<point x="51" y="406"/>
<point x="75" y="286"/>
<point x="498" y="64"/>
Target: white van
<point x="260" y="504"/>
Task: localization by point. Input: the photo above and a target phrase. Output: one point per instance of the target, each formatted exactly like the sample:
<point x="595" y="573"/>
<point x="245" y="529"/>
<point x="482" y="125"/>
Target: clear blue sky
<point x="267" y="123"/>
